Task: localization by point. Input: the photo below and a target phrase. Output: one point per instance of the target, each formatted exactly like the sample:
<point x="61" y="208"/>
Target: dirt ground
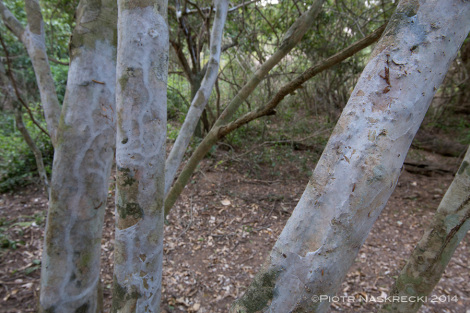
<point x="223" y="227"/>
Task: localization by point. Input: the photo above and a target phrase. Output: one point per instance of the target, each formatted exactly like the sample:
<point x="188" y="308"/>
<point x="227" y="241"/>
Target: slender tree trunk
<point x="82" y="164"/>
<point x="293" y="36"/>
<point x="33" y="38"/>
<point x="32" y="145"/>
<point x="201" y="96"/>
<point x="361" y="163"/>
<point x="435" y="249"/>
<point x="142" y="67"/>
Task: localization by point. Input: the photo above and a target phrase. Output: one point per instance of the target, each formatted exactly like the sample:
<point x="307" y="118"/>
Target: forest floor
<point x="224" y="225"/>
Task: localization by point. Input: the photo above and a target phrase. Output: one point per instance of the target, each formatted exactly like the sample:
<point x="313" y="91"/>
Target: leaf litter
<point x="221" y="231"/>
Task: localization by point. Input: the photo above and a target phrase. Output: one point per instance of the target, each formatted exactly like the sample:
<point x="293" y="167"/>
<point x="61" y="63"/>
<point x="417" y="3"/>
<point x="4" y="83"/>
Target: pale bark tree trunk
<point x="142" y="67"/>
<point x="33" y="39"/>
<point x="293" y="36"/>
<point x="82" y="164"/>
<point x="435" y="249"/>
<point x="361" y="163"/>
<point x="201" y="97"/>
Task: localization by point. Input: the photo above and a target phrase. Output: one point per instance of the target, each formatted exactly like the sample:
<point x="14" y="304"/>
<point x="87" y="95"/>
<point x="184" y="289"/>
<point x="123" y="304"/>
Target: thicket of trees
<point x="221" y="66"/>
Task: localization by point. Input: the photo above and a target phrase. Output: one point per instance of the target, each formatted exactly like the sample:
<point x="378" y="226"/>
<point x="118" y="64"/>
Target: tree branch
<point x="19" y="119"/>
<point x="15" y="88"/>
<point x="182" y="60"/>
<point x="57" y="61"/>
<point x="10" y="21"/>
<point x="297" y="82"/>
<point x="208" y="9"/>
<point x="33" y="39"/>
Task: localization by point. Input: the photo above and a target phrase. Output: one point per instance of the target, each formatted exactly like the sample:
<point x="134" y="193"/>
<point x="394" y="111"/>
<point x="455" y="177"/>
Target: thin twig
<point x="57" y="61"/>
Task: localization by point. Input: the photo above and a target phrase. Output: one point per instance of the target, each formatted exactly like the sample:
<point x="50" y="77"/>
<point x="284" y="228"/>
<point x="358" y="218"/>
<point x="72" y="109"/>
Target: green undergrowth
<point x="12" y="231"/>
<point x="17" y="161"/>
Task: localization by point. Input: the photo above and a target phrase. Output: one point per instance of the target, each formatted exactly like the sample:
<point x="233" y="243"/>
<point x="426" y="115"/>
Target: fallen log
<point x="432" y="143"/>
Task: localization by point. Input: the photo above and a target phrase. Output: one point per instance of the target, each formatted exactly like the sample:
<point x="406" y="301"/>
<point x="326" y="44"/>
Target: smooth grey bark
<point x="201" y="97"/>
<point x="33" y="38"/>
<point x="142" y="69"/>
<point x="82" y="165"/>
<point x="293" y="36"/>
<point x="435" y="249"/>
<point x="362" y="161"/>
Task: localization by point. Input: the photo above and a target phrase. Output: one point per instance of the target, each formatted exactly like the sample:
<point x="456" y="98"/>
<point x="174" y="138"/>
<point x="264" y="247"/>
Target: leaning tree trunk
<point x="361" y="163"/>
<point x="82" y="164"/>
<point x="142" y="67"/>
<point x="435" y="249"/>
<point x="201" y="96"/>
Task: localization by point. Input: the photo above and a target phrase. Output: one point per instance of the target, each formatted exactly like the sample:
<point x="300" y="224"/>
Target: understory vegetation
<point x="302" y="121"/>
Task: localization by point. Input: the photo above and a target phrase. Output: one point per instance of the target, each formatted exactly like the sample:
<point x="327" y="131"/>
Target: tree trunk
<point x="142" y="67"/>
<point x="361" y="163"/>
<point x="82" y="164"/>
<point x="430" y="142"/>
<point x="201" y="96"/>
<point x="33" y="39"/>
<point x="435" y="249"/>
<point x="293" y="36"/>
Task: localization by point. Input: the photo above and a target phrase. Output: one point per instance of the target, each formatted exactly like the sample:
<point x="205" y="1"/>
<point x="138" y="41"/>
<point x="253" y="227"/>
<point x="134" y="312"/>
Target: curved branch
<point x="297" y="82"/>
<point x="58" y="62"/>
<point x="10" y="21"/>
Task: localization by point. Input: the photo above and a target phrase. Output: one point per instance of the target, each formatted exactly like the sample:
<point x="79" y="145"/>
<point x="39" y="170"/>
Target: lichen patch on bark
<point x="259" y="294"/>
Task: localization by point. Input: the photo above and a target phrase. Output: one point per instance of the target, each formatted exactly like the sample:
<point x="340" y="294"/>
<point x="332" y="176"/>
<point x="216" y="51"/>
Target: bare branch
<point x="182" y="60"/>
<point x="230" y="45"/>
<point x="17" y="92"/>
<point x="198" y="9"/>
<point x="58" y="62"/>
<point x="241" y="5"/>
<point x="19" y="119"/>
<point x="33" y="39"/>
<point x="209" y="9"/>
<point x="10" y="21"/>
